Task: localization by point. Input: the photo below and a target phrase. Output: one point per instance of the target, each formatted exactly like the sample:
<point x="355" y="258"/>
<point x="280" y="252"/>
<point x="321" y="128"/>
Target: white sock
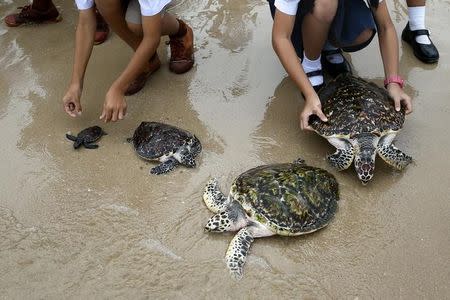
<point x="333" y="58"/>
<point x="417" y="21"/>
<point x="310" y="66"/>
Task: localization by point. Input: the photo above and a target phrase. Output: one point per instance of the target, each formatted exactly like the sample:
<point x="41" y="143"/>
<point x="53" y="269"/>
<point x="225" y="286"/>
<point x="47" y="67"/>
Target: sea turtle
<point x="286" y="199"/>
<point x="87" y="137"/>
<point x="362" y="121"/>
<point x="166" y="143"/>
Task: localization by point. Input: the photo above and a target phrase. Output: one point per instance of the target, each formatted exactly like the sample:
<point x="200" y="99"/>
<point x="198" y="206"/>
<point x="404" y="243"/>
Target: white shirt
<point x="289" y="7"/>
<point x="148" y="7"/>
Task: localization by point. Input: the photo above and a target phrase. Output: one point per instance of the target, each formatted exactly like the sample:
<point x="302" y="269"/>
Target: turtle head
<point x="365" y="150"/>
<point x="232" y="219"/>
<point x="299" y="161"/>
<point x="196" y="146"/>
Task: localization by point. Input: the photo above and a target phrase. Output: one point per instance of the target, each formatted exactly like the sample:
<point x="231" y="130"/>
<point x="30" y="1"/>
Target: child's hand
<point x="71" y="101"/>
<point x="114" y="107"/>
<point x="312" y="107"/>
<point x="399" y="97"/>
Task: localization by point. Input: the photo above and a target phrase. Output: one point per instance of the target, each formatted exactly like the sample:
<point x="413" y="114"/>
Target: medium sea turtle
<point x="86" y="137"/>
<point x="362" y="121"/>
<point x="285" y="199"/>
<point x="166" y="143"/>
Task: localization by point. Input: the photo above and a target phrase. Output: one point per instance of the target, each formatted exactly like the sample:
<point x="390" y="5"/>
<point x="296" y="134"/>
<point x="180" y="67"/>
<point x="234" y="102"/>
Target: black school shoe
<point x="426" y="53"/>
<point x="335" y="69"/>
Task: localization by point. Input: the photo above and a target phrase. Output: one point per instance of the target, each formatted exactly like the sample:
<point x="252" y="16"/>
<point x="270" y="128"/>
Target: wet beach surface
<point x="94" y="224"/>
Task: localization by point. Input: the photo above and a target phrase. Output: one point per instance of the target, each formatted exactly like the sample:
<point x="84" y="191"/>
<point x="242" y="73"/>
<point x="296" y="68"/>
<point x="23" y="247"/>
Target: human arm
<point x="388" y="41"/>
<point x="282" y="44"/>
<point x="84" y="42"/>
<point x="114" y="107"/>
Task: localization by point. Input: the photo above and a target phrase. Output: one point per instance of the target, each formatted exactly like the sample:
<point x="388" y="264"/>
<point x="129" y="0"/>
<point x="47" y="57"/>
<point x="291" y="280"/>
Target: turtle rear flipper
<point x="90" y="146"/>
<point x="165" y="167"/>
<point x="394" y="156"/>
<point x="341" y="159"/>
<point x="214" y="199"/>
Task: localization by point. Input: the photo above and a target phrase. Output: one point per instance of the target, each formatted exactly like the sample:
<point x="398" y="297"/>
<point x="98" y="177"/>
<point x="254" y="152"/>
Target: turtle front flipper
<point x="214" y="199"/>
<point x="188" y="160"/>
<point x="90" y="146"/>
<point x="77" y="142"/>
<point x="394" y="156"/>
<point x="71" y="137"/>
<point x="341" y="159"/>
<point x="165" y="167"/>
<point x="237" y="252"/>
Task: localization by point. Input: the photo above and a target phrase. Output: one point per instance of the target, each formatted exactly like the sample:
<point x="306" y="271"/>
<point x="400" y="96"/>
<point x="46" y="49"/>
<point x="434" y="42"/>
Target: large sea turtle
<point x="285" y="199"/>
<point x="87" y="137"/>
<point x="362" y="121"/>
<point x="165" y="143"/>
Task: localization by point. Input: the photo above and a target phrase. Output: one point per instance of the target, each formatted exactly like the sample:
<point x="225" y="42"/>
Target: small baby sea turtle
<point x="362" y="121"/>
<point x="165" y="143"/>
<point x="281" y="199"/>
<point x="87" y="137"/>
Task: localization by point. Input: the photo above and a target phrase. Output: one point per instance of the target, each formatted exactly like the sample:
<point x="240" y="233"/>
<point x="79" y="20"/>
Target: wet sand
<point x="94" y="224"/>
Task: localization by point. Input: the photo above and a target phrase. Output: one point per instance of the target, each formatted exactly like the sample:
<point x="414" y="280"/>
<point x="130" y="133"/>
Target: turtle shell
<point x="354" y="106"/>
<point x="290" y="199"/>
<point x="153" y="140"/>
<point x="91" y="134"/>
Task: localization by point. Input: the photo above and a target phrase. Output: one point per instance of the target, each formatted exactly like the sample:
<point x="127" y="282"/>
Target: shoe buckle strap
<point x="331" y="52"/>
<point x="314" y="73"/>
<point x="421" y="32"/>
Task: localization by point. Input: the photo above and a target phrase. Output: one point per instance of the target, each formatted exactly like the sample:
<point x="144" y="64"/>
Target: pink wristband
<point x="394" y="79"/>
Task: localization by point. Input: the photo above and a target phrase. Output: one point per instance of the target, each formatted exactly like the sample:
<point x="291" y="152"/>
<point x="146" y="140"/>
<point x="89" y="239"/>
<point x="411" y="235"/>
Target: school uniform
<point x="134" y="8"/>
<point x="351" y="19"/>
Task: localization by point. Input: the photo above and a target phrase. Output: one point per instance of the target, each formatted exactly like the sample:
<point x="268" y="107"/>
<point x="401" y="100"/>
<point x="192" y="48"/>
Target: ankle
<point x="310" y="66"/>
<point x="42" y="6"/>
<point x="416" y="16"/>
<point x="182" y="30"/>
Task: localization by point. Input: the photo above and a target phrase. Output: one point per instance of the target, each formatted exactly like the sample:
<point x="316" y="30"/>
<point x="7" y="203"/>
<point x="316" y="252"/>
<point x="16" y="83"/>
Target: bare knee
<point x="325" y="10"/>
<point x="363" y="37"/>
<point x="135" y="28"/>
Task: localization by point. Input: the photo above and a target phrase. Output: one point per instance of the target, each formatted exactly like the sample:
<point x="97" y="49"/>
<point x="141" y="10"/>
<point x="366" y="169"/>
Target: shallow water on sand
<point x="94" y="224"/>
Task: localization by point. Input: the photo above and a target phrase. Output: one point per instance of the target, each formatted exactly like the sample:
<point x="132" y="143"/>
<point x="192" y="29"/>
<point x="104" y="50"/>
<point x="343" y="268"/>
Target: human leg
<point x="332" y="59"/>
<point x="130" y="31"/>
<point x="180" y="34"/>
<point x="416" y="34"/>
<point x="353" y="27"/>
<point x="315" y="28"/>
<point x="40" y="11"/>
<point x="112" y="12"/>
<point x="102" y="30"/>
